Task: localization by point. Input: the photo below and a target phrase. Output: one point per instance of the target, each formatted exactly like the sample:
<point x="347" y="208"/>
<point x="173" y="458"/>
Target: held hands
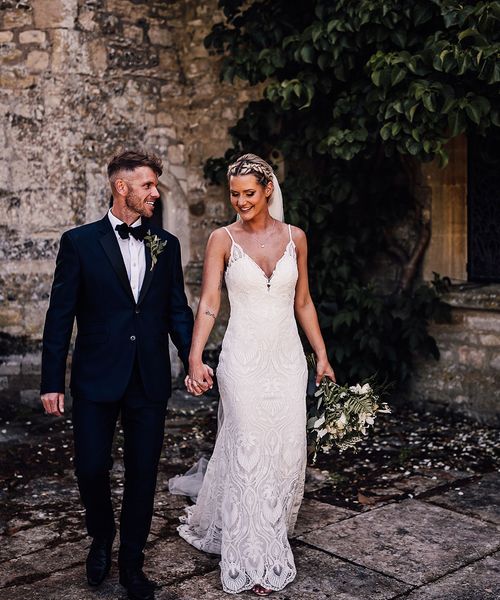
<point x="324" y="369"/>
<point x="199" y="379"/>
<point x="53" y="403"/>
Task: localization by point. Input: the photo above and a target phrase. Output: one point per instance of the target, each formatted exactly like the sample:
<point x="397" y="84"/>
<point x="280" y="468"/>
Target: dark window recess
<point x="157" y="218"/>
<point x="483" y="208"/>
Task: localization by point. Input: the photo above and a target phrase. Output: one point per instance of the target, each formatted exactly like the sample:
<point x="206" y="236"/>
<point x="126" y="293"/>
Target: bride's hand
<point x="324" y="369"/>
<point x="199" y="379"/>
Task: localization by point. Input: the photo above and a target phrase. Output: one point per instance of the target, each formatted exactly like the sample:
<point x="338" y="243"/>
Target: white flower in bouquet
<point x="341" y="415"/>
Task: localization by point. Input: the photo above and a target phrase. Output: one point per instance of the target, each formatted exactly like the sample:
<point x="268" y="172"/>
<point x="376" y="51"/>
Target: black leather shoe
<point x="138" y="586"/>
<point x="99" y="560"/>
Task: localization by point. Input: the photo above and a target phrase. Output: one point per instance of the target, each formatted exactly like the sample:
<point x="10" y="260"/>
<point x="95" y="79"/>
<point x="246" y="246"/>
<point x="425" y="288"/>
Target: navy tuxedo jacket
<point x="91" y="284"/>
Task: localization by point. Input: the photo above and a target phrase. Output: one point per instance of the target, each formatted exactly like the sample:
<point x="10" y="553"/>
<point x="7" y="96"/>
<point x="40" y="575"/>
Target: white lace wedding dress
<point x="254" y="482"/>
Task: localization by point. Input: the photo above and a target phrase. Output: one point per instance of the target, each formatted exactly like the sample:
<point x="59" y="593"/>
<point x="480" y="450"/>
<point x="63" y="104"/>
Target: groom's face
<point x="142" y="191"/>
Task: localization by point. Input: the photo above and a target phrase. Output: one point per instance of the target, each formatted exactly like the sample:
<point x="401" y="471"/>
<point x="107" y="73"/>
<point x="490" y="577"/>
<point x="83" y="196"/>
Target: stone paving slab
<point x="171" y="559"/>
<point x="479" y="499"/>
<point x="319" y="576"/>
<point x="28" y="540"/>
<point x="66" y="585"/>
<point x="314" y="514"/>
<point x="478" y="581"/>
<point x="413" y="541"/>
<point x="42" y="563"/>
<point x="395" y="486"/>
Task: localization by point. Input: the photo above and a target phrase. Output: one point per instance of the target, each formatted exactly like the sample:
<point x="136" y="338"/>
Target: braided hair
<point x="251" y="164"/>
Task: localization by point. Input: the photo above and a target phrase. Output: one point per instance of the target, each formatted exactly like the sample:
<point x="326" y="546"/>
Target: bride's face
<point x="248" y="197"/>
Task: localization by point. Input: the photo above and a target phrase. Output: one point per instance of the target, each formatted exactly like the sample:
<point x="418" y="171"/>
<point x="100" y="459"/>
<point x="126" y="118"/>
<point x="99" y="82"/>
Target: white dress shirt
<point x="133" y="254"/>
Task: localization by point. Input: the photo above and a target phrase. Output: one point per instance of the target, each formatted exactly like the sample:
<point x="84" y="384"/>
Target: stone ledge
<point x="482" y="297"/>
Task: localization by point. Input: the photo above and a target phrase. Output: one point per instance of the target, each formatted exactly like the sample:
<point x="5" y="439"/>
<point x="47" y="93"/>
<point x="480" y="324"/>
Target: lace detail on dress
<point x="254" y="482"/>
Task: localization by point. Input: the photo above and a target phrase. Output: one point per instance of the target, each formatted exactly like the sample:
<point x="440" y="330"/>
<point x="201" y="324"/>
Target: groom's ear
<point x="121" y="186"/>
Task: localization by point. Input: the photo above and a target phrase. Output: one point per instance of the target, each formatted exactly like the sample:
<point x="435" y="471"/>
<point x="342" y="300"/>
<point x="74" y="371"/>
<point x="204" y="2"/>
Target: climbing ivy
<point x="354" y="93"/>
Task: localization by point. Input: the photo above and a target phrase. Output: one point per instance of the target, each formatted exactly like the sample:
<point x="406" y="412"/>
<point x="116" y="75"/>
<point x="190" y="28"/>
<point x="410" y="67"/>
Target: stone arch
<point x="175" y="212"/>
<point x="175" y="219"/>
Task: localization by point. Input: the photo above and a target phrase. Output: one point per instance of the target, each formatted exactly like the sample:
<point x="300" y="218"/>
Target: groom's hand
<point x="53" y="403"/>
<point x="199" y="380"/>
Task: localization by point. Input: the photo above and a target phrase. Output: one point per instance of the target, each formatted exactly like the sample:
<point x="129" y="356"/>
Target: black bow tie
<point x="124" y="231"/>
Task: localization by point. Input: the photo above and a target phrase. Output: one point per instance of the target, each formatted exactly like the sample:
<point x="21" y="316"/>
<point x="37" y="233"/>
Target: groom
<point x="122" y="280"/>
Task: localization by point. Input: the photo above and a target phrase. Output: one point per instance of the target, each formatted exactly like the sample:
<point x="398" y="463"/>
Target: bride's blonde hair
<point x="251" y="164"/>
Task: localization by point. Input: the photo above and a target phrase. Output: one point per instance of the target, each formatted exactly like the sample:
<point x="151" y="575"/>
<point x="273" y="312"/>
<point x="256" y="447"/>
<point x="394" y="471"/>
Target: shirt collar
<point x="115" y="221"/>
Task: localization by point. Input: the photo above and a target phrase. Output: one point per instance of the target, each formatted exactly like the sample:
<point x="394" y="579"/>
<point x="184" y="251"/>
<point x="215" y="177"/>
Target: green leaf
<point x="456" y="123"/>
<point x="397" y="75"/>
<point x="473" y="113"/>
<point x="428" y="102"/>
<point x="307" y="53"/>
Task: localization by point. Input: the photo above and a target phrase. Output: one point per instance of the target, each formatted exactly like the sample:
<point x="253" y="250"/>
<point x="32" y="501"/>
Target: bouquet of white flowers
<point x="340" y="415"/>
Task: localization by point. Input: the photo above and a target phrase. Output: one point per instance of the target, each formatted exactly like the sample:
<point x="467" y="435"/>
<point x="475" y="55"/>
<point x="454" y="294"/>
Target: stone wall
<point x="467" y="376"/>
<point x="466" y="379"/>
<point x="80" y="79"/>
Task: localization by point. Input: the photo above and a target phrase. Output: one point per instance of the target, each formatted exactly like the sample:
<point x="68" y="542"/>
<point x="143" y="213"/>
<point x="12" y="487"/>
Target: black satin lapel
<point x="110" y="245"/>
<point x="148" y="276"/>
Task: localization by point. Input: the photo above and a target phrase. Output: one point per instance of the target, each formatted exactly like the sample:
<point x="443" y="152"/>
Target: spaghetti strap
<point x="229" y="234"/>
<point x="289" y="232"/>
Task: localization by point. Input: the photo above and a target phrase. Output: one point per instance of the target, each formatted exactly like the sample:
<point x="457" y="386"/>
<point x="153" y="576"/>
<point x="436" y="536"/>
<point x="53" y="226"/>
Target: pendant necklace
<point x="262" y="242"/>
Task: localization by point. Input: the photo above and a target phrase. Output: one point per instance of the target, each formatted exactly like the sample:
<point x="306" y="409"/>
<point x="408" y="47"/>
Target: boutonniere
<point x="156" y="246"/>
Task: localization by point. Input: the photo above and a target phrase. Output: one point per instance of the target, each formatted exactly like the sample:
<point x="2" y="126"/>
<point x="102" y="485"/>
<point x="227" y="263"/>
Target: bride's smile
<point x="248" y="197"/>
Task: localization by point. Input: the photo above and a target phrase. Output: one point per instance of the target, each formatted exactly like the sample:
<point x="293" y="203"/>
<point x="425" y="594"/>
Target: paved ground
<point x="414" y="515"/>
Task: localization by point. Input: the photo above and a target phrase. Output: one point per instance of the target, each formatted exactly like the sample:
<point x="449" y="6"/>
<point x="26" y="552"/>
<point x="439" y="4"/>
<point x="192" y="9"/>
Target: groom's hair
<point x="131" y="160"/>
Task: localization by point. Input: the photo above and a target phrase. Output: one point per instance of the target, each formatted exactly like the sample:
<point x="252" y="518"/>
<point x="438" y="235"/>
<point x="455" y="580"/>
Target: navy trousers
<point x="94" y="426"/>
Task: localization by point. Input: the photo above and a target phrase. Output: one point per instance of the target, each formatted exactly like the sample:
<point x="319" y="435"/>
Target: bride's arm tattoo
<point x="210" y="314"/>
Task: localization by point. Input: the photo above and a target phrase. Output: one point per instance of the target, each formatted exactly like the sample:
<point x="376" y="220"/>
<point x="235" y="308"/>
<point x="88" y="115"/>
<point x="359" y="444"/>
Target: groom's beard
<point x="137" y="204"/>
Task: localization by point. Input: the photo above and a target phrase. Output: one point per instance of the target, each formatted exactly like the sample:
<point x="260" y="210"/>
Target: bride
<point x="254" y="481"/>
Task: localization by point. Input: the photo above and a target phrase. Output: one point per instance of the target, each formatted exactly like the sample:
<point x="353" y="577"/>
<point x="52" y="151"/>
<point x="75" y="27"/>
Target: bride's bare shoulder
<point x="298" y="235"/>
<point x="219" y="239"/>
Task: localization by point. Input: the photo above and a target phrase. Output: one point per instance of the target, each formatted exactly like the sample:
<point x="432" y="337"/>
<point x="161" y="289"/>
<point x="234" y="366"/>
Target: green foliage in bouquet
<point x="353" y="93"/>
<point x="339" y="415"/>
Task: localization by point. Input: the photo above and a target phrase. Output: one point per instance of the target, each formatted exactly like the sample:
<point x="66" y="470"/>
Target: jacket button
<point x="137" y="311"/>
<point x="132" y="338"/>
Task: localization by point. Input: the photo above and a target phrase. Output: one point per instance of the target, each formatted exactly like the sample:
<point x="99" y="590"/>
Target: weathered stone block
<point x="9" y="53"/>
<point x="15" y="81"/>
<point x="55" y="13"/>
<point x="489" y="340"/>
<point x="86" y="20"/>
<point x="159" y="35"/>
<point x="472" y="357"/>
<point x="33" y="36"/>
<point x="133" y="33"/>
<point x="98" y="56"/>
<point x="6" y="37"/>
<point x="13" y="19"/>
<point x="37" y="61"/>
<point x="10" y="317"/>
<point x="489" y="322"/>
<point x="30" y="364"/>
<point x="30" y="397"/>
<point x="495" y="362"/>
<point x="69" y="52"/>
<point x="122" y="57"/>
<point x="175" y="154"/>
